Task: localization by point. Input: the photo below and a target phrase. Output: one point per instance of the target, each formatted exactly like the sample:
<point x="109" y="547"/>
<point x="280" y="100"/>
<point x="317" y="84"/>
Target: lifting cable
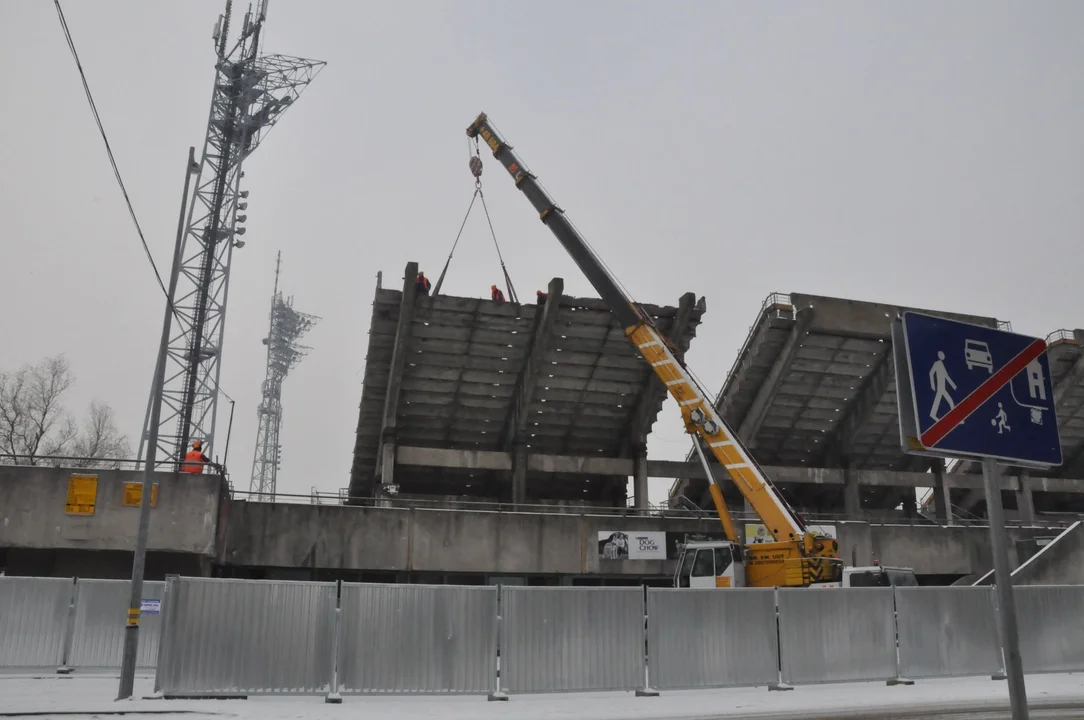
<point x="476" y="171"/>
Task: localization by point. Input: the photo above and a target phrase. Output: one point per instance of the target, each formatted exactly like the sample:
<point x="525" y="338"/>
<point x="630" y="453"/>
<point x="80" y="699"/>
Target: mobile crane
<point x="797" y="557"/>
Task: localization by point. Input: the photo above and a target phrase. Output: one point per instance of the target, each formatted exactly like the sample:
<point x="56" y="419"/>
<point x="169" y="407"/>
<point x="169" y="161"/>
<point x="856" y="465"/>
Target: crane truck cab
<point x="721" y="564"/>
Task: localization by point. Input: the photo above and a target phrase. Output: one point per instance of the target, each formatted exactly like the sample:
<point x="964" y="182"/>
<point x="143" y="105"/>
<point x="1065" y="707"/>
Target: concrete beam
<point x="1074" y="377"/>
<point x="395" y="374"/>
<point x="516" y="423"/>
<point x="759" y="408"/>
<point x="866" y="319"/>
<point x="653" y="394"/>
<point x="494" y="460"/>
<point x="870" y="392"/>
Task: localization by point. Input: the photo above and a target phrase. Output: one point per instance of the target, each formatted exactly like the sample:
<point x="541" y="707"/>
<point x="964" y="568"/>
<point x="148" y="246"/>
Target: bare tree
<point x="100" y="440"/>
<point x="34" y="424"/>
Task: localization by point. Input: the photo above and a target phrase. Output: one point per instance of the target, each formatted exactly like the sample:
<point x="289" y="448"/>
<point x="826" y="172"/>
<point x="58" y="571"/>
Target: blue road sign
<point x="978" y="391"/>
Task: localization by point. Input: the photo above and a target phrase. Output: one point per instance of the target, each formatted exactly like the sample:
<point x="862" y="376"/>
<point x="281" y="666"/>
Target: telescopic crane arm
<point x="696" y="410"/>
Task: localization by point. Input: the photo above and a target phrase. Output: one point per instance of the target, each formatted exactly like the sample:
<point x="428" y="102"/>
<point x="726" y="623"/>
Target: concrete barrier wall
<point x="32" y="512"/>
<point x="456" y="541"/>
<point x="1061" y="562"/>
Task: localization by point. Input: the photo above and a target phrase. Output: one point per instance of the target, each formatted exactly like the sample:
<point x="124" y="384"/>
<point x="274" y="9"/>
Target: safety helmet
<point x="196" y="444"/>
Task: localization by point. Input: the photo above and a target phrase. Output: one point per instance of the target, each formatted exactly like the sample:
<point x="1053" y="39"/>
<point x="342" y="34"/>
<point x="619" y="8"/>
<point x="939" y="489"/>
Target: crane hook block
<point x="476" y="166"/>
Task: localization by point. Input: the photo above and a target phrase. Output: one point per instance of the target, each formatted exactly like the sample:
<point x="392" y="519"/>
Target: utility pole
<point x="131" y="628"/>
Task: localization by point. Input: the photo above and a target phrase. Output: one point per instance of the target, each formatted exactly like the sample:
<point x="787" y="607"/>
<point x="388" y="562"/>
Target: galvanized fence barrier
<point x="233" y="637"/>
<point x="708" y="638"/>
<point x="571" y="639"/>
<point x="1051" y="623"/>
<point x="35" y="616"/>
<point x="828" y="636"/>
<point x="947" y="632"/>
<point x="417" y="639"/>
<point x="97" y="639"/>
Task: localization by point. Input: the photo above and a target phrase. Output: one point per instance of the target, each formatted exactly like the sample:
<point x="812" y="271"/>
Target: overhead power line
<point x="109" y="152"/>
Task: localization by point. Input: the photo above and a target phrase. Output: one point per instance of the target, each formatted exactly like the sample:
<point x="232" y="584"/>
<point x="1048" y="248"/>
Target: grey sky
<point x="922" y="153"/>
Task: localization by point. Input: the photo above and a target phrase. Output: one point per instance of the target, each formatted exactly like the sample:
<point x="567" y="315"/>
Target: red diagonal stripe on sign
<point x="981" y="394"/>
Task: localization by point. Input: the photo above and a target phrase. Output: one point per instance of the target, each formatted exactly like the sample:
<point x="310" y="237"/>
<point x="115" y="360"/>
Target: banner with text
<point x="631" y="545"/>
<point x="757" y="533"/>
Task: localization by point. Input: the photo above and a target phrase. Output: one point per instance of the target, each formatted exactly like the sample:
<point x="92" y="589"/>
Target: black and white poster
<point x="631" y="545"/>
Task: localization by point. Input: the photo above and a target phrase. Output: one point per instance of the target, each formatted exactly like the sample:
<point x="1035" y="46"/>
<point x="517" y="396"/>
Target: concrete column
<point x="1025" y="503"/>
<point x="942" y="492"/>
<point x="852" y="501"/>
<point x="639" y="480"/>
<point x="387" y="461"/>
<point x="519" y="474"/>
<point x="942" y="501"/>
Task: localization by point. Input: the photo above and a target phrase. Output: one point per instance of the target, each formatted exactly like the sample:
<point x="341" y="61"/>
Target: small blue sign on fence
<point x="150" y="607"/>
<point x="971" y="390"/>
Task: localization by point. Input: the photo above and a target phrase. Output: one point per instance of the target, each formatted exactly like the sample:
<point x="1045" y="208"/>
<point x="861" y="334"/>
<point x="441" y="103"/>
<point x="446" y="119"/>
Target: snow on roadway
<point x="94" y="694"/>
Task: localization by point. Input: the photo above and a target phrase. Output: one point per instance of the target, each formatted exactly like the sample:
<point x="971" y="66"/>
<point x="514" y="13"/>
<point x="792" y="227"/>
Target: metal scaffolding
<point x="283" y="354"/>
<point x="251" y="92"/>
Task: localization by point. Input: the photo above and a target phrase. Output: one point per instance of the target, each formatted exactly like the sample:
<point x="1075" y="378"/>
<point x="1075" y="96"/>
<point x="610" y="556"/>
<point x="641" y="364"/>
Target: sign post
<point x="972" y="391"/>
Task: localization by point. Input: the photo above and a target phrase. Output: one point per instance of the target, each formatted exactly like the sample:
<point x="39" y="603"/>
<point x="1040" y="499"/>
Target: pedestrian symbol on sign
<point x="1001" y="420"/>
<point x="939" y="377"/>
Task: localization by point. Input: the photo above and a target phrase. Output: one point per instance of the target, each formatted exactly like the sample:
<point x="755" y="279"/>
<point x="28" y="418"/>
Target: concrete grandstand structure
<point x="511" y="402"/>
<point x="814" y="387"/>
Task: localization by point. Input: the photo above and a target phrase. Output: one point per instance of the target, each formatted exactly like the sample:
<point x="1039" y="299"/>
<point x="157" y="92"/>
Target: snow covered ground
<point x="90" y="695"/>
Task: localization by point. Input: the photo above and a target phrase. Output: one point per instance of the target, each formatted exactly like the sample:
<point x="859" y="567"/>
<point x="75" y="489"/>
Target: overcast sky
<point x="920" y="153"/>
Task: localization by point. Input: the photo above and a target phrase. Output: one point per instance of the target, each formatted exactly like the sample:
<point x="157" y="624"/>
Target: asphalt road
<point x="993" y="710"/>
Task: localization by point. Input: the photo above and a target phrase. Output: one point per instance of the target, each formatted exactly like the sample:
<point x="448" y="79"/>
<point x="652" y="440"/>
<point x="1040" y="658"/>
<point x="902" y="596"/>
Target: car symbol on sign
<point x="977" y="354"/>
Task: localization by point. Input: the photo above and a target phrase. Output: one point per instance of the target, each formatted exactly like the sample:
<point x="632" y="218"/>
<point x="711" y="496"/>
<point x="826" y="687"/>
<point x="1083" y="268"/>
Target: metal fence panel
<point x="947" y="631"/>
<point x="417" y="639"/>
<point x="1051" y="628"/>
<point x="248" y="636"/>
<point x="101" y="608"/>
<point x="837" y="635"/>
<point x="34" y="621"/>
<point x="571" y="639"/>
<point x="711" y="638"/>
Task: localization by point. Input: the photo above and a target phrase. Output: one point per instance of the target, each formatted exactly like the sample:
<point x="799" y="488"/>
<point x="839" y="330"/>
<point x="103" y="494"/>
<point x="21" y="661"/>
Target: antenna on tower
<point x="283" y="354"/>
<point x="251" y="91"/>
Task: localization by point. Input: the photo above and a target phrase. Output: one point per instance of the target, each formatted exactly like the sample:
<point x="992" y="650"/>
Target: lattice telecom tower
<point x="283" y="354"/>
<point x="251" y="92"/>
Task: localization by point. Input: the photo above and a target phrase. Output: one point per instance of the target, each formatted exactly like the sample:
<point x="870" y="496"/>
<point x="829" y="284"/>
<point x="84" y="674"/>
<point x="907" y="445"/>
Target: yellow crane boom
<point x="797" y="557"/>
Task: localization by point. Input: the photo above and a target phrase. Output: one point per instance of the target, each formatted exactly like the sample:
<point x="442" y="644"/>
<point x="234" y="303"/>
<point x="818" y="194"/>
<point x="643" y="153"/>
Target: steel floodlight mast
<point x="251" y="92"/>
<point x="283" y="354"/>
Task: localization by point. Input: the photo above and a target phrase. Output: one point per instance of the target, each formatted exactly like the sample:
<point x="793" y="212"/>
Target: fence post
<point x="896" y="626"/>
<point x="498" y="695"/>
<point x="334" y="697"/>
<point x="162" y="664"/>
<point x="780" y="685"/>
<point x="647" y="691"/>
<point x="69" y="630"/>
<point x="1001" y="674"/>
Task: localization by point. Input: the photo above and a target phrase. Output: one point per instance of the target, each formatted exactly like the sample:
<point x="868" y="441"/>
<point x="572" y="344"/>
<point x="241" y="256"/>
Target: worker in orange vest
<point x="194" y="459"/>
<point x="496" y="294"/>
<point x="421" y="284"/>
